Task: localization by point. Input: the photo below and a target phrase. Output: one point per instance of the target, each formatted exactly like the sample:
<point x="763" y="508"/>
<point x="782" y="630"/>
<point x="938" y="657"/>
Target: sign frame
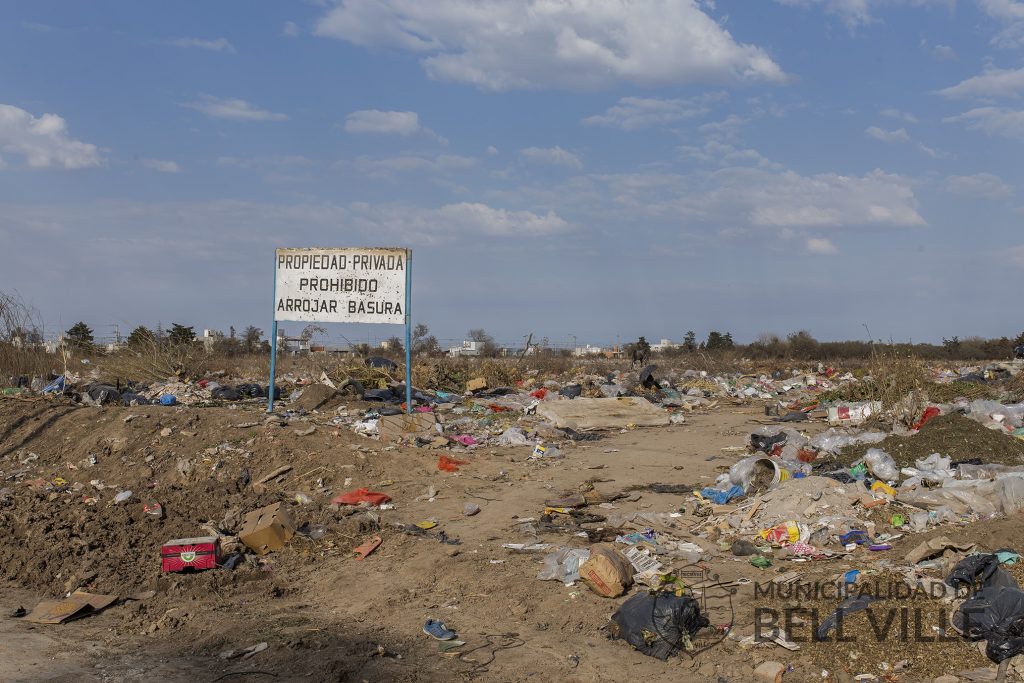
<point x="407" y="317"/>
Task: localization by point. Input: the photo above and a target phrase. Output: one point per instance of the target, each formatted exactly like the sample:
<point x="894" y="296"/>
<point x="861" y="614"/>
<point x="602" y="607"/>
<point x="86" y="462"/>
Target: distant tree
<point x="488" y="347"/>
<point x="951" y="346"/>
<point x="690" y="341"/>
<point x="802" y="345"/>
<point x="424" y="343"/>
<point x="1019" y="339"/>
<point x="181" y="335"/>
<point x="718" y="341"/>
<point x="643" y="346"/>
<point x="311" y="330"/>
<point x="251" y="339"/>
<point x="79" y="335"/>
<point x="19" y="321"/>
<point x="395" y="345"/>
<point x="140" y="337"/>
<point x="362" y="349"/>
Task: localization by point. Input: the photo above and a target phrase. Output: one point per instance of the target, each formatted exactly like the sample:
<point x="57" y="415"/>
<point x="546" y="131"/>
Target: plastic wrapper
<point x="834" y="440"/>
<point x="992" y="471"/>
<point x="563" y="565"/>
<point x="984" y="498"/>
<point x="881" y="465"/>
<point x="992" y="411"/>
<point x="655" y="623"/>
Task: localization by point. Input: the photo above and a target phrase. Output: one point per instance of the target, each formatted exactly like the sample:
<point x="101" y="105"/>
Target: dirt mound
<point x="953" y="435"/>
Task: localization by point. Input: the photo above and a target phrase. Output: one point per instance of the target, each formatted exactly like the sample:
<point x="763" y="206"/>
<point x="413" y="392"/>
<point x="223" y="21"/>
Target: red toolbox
<point x="184" y="554"/>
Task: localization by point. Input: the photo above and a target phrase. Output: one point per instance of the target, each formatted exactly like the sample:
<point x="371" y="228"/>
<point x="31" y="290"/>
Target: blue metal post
<point x="408" y="331"/>
<point x="273" y="344"/>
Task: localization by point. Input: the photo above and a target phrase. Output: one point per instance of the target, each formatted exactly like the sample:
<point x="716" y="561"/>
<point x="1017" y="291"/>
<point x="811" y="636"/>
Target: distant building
<point x="468" y="348"/>
<point x="665" y="345"/>
<point x="588" y="350"/>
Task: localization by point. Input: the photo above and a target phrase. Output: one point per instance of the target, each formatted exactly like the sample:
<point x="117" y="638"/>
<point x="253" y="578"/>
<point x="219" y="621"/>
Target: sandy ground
<point x="324" y="615"/>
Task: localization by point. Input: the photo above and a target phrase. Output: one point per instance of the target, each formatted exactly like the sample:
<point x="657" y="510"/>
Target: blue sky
<point x="596" y="168"/>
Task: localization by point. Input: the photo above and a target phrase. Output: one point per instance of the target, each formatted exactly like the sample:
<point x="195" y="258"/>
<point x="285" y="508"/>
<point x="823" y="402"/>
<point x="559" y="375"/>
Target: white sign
<point x="341" y="285"/>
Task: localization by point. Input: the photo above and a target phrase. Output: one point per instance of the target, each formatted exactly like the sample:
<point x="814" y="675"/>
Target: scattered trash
<point x="190" y="554"/>
<point x="362" y="551"/>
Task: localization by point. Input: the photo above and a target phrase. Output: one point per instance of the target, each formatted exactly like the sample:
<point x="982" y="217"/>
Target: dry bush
<point x="15" y="362"/>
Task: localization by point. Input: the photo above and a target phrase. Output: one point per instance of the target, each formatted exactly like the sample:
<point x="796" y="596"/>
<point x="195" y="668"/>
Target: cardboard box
<point x="185" y="554"/>
<point x="266" y="529"/>
<point x="476" y="384"/>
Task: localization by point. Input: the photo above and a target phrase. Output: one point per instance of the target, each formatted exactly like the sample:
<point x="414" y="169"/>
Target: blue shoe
<point x="436" y="629"/>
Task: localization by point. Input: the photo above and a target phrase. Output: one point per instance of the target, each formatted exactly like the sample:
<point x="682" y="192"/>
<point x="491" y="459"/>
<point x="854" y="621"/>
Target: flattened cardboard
<point x="78" y="604"/>
<point x="267" y="529"/>
<point x="404" y="425"/>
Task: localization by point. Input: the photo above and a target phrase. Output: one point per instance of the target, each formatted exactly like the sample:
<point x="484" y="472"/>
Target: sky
<point x="588" y="169"/>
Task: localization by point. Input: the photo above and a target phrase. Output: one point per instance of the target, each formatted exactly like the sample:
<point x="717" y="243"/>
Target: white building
<point x="665" y="345"/>
<point x="588" y="350"/>
<point x="468" y="348"/>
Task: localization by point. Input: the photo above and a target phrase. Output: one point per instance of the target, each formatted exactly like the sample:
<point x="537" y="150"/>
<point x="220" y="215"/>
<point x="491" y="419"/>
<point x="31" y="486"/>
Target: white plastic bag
<point x="881" y="465"/>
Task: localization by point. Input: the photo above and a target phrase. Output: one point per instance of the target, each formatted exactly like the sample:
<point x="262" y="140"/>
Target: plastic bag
<point x="881" y="464"/>
<point x="513" y="436"/>
<point x="564" y="565"/>
<point x="995" y="614"/>
<point x="934" y="468"/>
<point x="655" y="623"/>
<point x="834" y="440"/>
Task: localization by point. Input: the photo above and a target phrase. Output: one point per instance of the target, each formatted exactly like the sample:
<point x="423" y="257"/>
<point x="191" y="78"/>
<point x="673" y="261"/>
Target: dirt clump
<point x="954" y="436"/>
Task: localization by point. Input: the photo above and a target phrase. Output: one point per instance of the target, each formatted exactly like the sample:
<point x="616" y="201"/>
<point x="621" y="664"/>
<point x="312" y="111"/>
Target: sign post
<point x="343" y="285"/>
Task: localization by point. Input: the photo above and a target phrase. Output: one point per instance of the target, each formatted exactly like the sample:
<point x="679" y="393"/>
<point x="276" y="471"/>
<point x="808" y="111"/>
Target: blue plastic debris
<point x="56" y="386"/>
<point x="721" y="497"/>
<point x="168" y="400"/>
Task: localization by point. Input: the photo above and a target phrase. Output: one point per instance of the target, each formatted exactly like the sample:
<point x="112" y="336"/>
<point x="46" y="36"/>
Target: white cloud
<point x="573" y="44"/>
<point x="492" y="150"/>
<point x="893" y="113"/>
<point x="890" y="136"/>
<point x="1003" y="9"/>
<point x="945" y="52"/>
<point x="223" y="229"/>
<point x="387" y="167"/>
<point x="43" y="141"/>
<point x="1008" y="123"/>
<point x="290" y="29"/>
<point x="900" y="136"/>
<point x="232" y="109"/>
<point x="552" y="156"/>
<point x="990" y="83"/>
<point x="383" y="122"/>
<point x="767" y="197"/>
<point x="161" y="165"/>
<point x="856" y="13"/>
<point x="632" y="113"/>
<point x="822" y="246"/>
<point x="979" y="185"/>
<point x="216" y="44"/>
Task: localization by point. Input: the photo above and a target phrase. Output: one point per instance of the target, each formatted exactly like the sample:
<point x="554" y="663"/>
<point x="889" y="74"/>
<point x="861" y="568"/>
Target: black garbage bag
<point x="767" y="443"/>
<point x="381" y="362"/>
<point x="647" y="380"/>
<point x="226" y="394"/>
<point x="571" y="391"/>
<point x="382" y="395"/>
<point x="983" y="567"/>
<point x="995" y="614"/>
<point x="128" y="398"/>
<point x="104" y="394"/>
<point x="848" y="606"/>
<point x="252" y="390"/>
<point x="655" y="623"/>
